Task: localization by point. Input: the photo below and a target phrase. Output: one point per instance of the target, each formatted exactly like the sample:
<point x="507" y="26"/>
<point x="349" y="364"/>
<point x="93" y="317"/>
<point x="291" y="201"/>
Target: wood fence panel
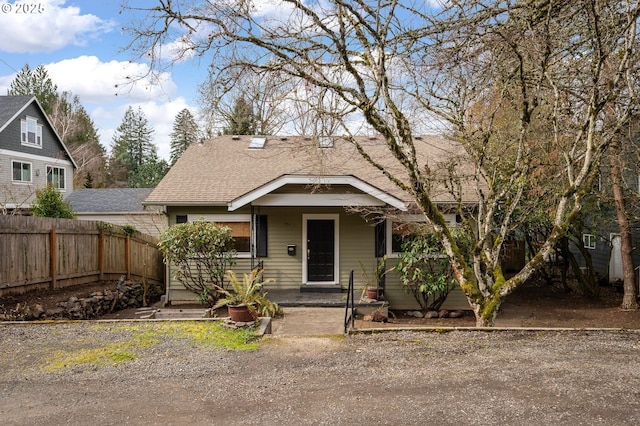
<point x="32" y="249"/>
<point x="146" y="260"/>
<point x="77" y="255"/>
<point x="25" y="258"/>
<point x="114" y="252"/>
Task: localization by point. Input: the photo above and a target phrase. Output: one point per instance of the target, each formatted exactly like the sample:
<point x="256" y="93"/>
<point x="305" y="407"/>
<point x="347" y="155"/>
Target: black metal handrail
<point x="349" y="305"/>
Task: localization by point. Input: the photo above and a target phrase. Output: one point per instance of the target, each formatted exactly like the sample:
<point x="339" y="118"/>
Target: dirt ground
<point x="533" y="305"/>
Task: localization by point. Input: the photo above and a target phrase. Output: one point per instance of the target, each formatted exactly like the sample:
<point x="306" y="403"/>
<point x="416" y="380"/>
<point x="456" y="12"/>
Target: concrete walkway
<point x="309" y="321"/>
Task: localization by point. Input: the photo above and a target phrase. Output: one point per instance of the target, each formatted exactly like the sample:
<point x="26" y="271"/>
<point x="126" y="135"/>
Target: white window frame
<point x="589" y="241"/>
<point x="229" y="218"/>
<point x="30" y="171"/>
<point x="62" y="184"/>
<point x="36" y="130"/>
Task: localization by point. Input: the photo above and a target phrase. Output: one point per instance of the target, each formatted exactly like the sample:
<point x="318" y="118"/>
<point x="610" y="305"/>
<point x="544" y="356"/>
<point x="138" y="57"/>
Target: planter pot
<point x="241" y="313"/>
<point x="373" y="293"/>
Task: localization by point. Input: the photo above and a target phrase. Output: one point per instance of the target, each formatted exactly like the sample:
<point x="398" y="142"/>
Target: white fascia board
<point x="51" y="161"/>
<point x="316" y="180"/>
<point x="318" y="200"/>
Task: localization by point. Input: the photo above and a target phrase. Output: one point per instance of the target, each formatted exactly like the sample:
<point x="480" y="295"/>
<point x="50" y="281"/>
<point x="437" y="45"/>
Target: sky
<point x="83" y="48"/>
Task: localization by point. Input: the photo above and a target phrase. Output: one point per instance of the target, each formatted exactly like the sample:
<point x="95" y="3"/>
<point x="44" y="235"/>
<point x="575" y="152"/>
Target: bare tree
<point x="265" y="94"/>
<point x="386" y="60"/>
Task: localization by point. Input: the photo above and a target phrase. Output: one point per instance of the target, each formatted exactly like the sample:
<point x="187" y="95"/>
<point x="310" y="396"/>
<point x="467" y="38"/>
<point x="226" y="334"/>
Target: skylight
<point x="257" y="143"/>
<point x="326" y="142"/>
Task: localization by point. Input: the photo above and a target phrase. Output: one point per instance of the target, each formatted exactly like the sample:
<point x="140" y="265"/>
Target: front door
<point x="320" y="250"/>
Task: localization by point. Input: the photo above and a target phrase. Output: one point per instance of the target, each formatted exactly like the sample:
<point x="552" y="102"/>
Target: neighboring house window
<point x="21" y="171"/>
<point x="55" y="177"/>
<point x="31" y="132"/>
<point x="589" y="241"/>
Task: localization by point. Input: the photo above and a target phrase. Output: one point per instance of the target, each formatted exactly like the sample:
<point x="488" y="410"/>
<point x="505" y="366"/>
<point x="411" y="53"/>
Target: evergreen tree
<point x="242" y="120"/>
<point x="149" y="174"/>
<point x="185" y="132"/>
<point x="132" y="145"/>
<point x="35" y="82"/>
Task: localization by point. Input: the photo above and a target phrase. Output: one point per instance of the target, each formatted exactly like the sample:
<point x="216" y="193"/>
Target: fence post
<point x="101" y="255"/>
<point x="53" y="257"/>
<point x="127" y="256"/>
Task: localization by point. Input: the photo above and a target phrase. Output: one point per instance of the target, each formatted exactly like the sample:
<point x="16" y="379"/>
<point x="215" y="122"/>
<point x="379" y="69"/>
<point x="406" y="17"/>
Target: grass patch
<point x="202" y="334"/>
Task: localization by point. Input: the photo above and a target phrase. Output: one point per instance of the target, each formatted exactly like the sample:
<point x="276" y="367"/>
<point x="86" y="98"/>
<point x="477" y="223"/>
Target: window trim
<point x="24" y="132"/>
<point x="589" y="241"/>
<point x="30" y="172"/>
<point x="62" y="188"/>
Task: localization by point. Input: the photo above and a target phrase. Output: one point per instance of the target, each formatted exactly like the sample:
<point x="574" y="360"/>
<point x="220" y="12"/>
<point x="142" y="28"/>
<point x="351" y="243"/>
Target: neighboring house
<point x="296" y="205"/>
<point x="119" y="206"/>
<point x="32" y="154"/>
<point x="600" y="236"/>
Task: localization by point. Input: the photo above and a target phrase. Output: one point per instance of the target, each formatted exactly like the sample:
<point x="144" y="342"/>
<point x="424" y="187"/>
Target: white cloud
<point x="96" y="81"/>
<point x="50" y="26"/>
<point x="107" y="89"/>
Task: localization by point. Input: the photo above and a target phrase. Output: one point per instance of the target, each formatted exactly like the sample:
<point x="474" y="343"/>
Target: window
<point x="589" y="241"/>
<point x="31" y="132"/>
<point x="21" y="171"/>
<point x="55" y="177"/>
<point x="398" y="232"/>
<point x="240" y="225"/>
<point x="241" y="232"/>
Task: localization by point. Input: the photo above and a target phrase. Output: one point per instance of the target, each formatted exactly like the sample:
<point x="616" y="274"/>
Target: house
<point x="119" y="206"/>
<point x="32" y="155"/>
<point x="297" y="205"/>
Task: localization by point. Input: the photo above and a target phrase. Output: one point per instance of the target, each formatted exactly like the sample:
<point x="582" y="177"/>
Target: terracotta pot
<point x="372" y="293"/>
<point x="241" y="313"/>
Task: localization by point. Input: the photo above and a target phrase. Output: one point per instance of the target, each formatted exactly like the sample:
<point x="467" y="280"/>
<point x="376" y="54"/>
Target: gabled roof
<point x="12" y="106"/>
<point x="225" y="171"/>
<point x="108" y="200"/>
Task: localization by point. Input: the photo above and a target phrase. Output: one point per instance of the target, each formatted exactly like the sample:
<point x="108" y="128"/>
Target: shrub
<point x="49" y="203"/>
<point x="199" y="254"/>
<point x="425" y="271"/>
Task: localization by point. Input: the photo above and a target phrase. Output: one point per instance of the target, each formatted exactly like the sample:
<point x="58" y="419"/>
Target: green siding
<point x="399" y="299"/>
<point x="285" y="227"/>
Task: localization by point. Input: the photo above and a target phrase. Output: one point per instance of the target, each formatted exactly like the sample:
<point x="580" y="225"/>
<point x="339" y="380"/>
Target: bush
<point x="425" y="271"/>
<point x="199" y="254"/>
<point x="49" y="203"/>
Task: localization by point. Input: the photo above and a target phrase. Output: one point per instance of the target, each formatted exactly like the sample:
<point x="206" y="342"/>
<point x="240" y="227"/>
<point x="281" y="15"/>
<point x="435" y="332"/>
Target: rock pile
<point x="128" y="294"/>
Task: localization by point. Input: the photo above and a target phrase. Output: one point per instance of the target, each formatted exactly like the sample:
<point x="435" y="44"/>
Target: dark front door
<point x="320" y="250"/>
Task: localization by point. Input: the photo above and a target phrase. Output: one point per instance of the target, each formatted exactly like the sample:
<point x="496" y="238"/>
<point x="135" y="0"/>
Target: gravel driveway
<point x="397" y="378"/>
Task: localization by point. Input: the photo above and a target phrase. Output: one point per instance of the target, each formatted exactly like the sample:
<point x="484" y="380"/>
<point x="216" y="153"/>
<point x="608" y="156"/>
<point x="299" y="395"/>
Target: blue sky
<point x="81" y="44"/>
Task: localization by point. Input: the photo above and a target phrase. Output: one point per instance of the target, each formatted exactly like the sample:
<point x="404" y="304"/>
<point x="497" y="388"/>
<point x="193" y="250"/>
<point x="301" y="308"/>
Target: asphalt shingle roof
<point x="10" y="105"/>
<point x="222" y="169"/>
<point x="108" y="200"/>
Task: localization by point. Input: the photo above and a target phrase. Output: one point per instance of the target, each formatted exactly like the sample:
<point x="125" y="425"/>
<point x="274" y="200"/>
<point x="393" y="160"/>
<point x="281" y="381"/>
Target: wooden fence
<point x="39" y="253"/>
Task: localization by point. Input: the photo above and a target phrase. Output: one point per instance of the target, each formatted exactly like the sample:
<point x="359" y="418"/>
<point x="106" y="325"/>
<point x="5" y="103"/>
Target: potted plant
<point x="246" y="301"/>
<point x="372" y="288"/>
